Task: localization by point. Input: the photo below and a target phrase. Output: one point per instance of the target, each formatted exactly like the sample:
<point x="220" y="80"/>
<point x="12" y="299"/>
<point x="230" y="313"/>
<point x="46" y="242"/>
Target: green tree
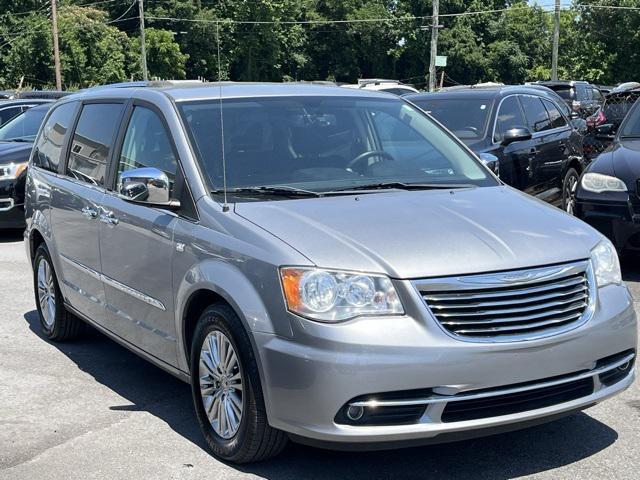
<point x="164" y="58"/>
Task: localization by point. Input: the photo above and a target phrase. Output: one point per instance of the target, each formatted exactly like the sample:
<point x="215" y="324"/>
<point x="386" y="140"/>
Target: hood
<point x="14" y="152"/>
<point x="414" y="234"/>
<point x="625" y="158"/>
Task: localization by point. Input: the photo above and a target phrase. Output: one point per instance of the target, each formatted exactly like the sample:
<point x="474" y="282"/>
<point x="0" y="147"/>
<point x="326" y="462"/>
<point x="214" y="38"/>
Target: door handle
<point x="108" y="218"/>
<point x="90" y="213"/>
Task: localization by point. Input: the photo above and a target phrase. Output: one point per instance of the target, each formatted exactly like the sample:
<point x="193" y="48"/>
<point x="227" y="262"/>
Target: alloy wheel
<point x="570" y="195"/>
<point x="46" y="292"/>
<point x="221" y="385"/>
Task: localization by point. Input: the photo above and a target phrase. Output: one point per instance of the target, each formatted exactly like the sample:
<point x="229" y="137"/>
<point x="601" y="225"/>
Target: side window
<point x="509" y="116"/>
<point x="582" y="93"/>
<point x="535" y="113"/>
<point x="147" y="144"/>
<point x="597" y="94"/>
<point x="556" y="118"/>
<point x="92" y="142"/>
<point x="8" y="113"/>
<point x="48" y="147"/>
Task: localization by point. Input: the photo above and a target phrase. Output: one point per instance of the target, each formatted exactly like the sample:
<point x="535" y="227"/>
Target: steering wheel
<point x="369" y="154"/>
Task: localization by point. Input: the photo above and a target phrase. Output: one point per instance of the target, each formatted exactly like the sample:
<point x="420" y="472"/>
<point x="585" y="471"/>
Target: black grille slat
<point x="523" y="308"/>
<point x="516" y="402"/>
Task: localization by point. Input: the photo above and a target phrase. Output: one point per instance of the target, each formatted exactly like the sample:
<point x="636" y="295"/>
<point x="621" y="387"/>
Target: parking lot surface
<point x="92" y="410"/>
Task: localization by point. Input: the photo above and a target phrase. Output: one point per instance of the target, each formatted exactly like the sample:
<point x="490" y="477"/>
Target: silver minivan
<point x="322" y="264"/>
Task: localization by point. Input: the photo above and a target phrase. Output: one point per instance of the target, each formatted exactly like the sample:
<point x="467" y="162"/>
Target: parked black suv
<point x="16" y="140"/>
<point x="583" y="97"/>
<point x="519" y="131"/>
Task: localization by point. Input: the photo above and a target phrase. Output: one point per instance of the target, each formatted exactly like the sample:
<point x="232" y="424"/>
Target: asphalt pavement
<point x="93" y="410"/>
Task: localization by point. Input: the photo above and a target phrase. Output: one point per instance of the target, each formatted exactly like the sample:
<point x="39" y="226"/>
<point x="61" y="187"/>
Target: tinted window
<point x="582" y="93"/>
<point x="48" y="147"/>
<point x="632" y="123"/>
<point x="597" y="95"/>
<point x="397" y="91"/>
<point x="146" y="144"/>
<point x="509" y="116"/>
<point x="324" y="143"/>
<point x="467" y="118"/>
<point x="565" y="92"/>
<point x="92" y="142"/>
<point x="24" y="127"/>
<point x="556" y="118"/>
<point x="535" y="113"/>
<point x="8" y="113"/>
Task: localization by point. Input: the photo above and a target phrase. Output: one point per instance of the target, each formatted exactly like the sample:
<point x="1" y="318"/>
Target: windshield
<point x="631" y="126"/>
<point x="467" y="118"/>
<point x="24" y="127"/>
<point x="566" y="93"/>
<point x="325" y="143"/>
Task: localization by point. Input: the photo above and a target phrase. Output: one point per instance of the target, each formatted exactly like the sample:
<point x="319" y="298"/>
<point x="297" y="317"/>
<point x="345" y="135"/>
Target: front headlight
<point x="332" y="296"/>
<point x="12" y="171"/>
<point x="606" y="266"/>
<point x="598" y="183"/>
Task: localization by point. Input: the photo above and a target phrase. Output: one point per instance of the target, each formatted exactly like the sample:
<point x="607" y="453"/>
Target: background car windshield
<point x="325" y="143"/>
<point x="631" y="126"/>
<point x="24" y="126"/>
<point x="467" y="118"/>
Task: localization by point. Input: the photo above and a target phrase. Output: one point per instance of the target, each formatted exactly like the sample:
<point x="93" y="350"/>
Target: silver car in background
<point x="323" y="264"/>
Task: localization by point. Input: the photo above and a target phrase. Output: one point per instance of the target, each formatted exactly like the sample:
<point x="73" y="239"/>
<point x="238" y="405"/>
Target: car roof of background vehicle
<point x="24" y="101"/>
<point x="625" y="87"/>
<point x="560" y="83"/>
<point x="196" y="90"/>
<point x="485" y="92"/>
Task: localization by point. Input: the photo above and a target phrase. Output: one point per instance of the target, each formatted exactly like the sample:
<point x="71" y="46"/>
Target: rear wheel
<point x="226" y="390"/>
<point x="56" y="322"/>
<point x="569" y="187"/>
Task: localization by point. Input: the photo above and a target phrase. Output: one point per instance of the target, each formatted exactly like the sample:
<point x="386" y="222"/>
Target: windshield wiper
<point x="406" y="186"/>
<point x="18" y="139"/>
<point x="280" y="190"/>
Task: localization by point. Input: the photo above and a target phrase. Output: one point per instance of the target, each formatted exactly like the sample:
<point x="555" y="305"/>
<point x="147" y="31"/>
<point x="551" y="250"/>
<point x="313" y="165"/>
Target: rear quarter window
<point x="48" y="148"/>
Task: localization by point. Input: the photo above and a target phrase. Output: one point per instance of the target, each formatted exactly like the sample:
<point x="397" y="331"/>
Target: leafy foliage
<point x="512" y="43"/>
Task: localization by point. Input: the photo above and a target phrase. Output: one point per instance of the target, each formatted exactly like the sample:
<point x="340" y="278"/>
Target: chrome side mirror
<point x="146" y="185"/>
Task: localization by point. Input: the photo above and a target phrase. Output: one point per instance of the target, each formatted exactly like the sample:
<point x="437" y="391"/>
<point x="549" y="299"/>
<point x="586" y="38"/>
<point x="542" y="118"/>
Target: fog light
<point x="355" y="413"/>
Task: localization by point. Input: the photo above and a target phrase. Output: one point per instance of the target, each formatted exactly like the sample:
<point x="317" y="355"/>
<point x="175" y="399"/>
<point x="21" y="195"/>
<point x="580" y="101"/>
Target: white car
<point x="390" y="86"/>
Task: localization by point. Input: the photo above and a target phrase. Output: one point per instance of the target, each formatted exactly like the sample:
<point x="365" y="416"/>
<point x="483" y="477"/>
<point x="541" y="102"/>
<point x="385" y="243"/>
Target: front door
<point x="76" y="199"/>
<point x="516" y="159"/>
<point x="137" y="245"/>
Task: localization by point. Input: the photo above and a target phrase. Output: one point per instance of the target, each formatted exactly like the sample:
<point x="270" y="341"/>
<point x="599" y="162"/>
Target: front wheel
<point x="226" y="390"/>
<point x="569" y="187"/>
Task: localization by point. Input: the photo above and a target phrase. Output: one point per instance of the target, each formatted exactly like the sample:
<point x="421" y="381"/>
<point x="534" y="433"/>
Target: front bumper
<point x="308" y="379"/>
<point x="618" y="221"/>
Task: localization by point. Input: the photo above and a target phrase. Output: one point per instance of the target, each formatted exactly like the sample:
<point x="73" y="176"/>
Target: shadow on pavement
<point x="630" y="268"/>
<point x="503" y="456"/>
<point x="11" y="236"/>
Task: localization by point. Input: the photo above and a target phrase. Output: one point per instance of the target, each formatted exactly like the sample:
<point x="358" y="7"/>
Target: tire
<point x="252" y="439"/>
<point x="569" y="186"/>
<point x="56" y="322"/>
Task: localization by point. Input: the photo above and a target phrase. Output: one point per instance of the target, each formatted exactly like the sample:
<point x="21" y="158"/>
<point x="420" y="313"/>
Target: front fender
<point x="230" y="283"/>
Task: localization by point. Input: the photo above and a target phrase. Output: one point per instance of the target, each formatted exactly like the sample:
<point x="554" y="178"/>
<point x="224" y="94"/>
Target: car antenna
<point x="225" y="205"/>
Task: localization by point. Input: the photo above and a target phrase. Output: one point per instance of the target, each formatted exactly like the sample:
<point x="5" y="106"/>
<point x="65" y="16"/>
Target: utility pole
<point x="143" y="48"/>
<point x="434" y="46"/>
<point x="56" y="47"/>
<point x="556" y="41"/>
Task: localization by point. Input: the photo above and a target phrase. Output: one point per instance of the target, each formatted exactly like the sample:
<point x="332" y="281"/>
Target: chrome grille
<point x="512" y="306"/>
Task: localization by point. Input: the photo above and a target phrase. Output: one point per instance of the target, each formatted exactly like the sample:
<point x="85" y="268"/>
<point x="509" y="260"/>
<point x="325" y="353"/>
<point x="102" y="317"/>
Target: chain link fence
<point x="604" y="123"/>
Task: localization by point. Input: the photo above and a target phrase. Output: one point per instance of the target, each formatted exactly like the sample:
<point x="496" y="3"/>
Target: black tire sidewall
<point x="223" y="319"/>
<point x="42" y="252"/>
